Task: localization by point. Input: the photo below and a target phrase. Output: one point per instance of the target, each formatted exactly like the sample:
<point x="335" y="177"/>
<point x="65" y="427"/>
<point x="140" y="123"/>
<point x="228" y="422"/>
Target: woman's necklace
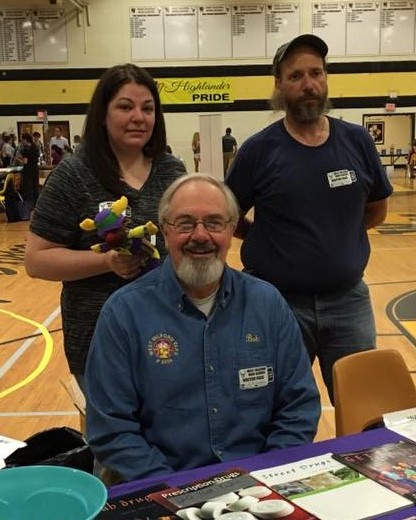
<point x="312" y="140"/>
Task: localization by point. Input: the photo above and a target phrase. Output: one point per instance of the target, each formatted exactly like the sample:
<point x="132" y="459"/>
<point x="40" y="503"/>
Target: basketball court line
<point x="35" y="335"/>
<point x="14" y="358"/>
<point x="27" y="344"/>
<point x="37" y="414"/>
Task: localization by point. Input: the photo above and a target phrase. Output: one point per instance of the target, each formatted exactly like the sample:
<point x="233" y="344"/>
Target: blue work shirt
<point x="170" y="389"/>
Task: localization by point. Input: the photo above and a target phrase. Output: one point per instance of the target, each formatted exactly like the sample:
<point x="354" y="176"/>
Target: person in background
<point x="13" y="141"/>
<point x="220" y="369"/>
<point x="229" y="149"/>
<point x="36" y="140"/>
<point x="58" y="139"/>
<point x="29" y="159"/>
<point x="196" y="149"/>
<point x="122" y="153"/>
<point x="411" y="161"/>
<point x="57" y="154"/>
<point x="7" y="150"/>
<point x="77" y="142"/>
<point x="316" y="185"/>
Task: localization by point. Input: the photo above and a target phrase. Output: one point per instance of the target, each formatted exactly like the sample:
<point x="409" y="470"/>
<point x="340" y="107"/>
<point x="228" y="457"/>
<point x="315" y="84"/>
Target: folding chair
<point x="9" y="178"/>
<point x="367" y="385"/>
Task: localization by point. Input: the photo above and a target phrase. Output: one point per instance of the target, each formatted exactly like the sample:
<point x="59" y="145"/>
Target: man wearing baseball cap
<point x="316" y="184"/>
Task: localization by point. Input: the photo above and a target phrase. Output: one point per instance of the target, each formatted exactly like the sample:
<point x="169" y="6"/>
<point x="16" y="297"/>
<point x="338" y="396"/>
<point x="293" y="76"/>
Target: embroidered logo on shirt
<point x="252" y="338"/>
<point x="163" y="347"/>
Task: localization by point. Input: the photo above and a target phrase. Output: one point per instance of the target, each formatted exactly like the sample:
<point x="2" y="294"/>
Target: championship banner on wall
<point x="179" y="91"/>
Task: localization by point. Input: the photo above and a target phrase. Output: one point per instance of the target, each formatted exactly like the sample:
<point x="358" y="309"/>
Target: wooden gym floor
<point x="33" y="366"/>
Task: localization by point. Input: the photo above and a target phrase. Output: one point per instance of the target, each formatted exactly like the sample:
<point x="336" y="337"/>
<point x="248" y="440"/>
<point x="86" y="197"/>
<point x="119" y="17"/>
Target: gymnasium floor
<point x="33" y="367"/>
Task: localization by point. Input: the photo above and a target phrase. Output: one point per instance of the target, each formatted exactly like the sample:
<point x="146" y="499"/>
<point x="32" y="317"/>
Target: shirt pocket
<point x="253" y="379"/>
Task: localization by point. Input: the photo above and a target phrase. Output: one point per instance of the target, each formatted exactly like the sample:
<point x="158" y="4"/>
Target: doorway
<point x="392" y="134"/>
<point x="46" y="131"/>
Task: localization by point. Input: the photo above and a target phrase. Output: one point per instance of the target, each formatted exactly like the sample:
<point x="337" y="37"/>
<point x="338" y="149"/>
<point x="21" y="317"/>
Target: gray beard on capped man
<point x="298" y="110"/>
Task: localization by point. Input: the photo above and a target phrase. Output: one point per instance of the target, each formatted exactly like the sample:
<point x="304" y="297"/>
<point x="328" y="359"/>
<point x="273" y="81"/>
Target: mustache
<point x="308" y="97"/>
<point x="199" y="247"/>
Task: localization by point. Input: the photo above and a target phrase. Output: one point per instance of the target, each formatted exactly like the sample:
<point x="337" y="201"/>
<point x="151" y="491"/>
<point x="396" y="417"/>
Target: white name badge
<point x="255" y="377"/>
<point x="108" y="204"/>
<point x="341" y="178"/>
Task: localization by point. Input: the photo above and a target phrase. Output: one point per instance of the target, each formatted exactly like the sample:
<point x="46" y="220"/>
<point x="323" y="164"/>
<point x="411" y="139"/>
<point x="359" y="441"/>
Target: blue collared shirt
<point x="170" y="389"/>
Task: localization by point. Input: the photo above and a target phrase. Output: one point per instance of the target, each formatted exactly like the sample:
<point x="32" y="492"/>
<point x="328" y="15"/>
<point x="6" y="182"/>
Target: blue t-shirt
<point x="309" y="234"/>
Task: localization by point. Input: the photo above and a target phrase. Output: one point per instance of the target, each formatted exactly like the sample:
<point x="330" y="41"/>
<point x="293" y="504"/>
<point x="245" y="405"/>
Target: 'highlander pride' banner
<point x="200" y="90"/>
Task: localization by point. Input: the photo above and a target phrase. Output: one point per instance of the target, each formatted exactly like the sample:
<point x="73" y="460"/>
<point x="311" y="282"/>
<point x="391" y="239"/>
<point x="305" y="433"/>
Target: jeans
<point x="334" y="325"/>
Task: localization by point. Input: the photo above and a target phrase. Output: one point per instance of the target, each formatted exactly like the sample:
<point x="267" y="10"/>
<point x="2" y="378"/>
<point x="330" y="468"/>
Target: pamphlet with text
<point x="331" y="490"/>
<point x="402" y="422"/>
<point x="136" y="506"/>
<point x="231" y="495"/>
<point x="393" y="465"/>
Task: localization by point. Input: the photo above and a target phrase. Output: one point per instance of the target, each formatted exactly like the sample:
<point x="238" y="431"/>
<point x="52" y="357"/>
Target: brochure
<point x="393" y="465"/>
<point x="232" y="495"/>
<point x="403" y="422"/>
<point x="136" y="506"/>
<point x="330" y="490"/>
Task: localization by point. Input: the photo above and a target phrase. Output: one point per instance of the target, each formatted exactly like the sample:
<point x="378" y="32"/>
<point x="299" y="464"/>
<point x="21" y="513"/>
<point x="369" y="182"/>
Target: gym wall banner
<point x="197" y="90"/>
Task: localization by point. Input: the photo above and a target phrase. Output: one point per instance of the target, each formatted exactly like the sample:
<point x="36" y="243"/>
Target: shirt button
<point x="214" y="410"/>
<point x="211" y="368"/>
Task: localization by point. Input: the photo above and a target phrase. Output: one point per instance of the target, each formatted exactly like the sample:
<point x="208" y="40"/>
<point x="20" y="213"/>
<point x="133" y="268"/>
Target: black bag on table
<point x="10" y="202"/>
<point x="55" y="447"/>
<point x="16" y="208"/>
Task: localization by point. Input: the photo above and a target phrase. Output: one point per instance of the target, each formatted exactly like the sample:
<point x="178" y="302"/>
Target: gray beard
<point x="198" y="273"/>
<point x="299" y="112"/>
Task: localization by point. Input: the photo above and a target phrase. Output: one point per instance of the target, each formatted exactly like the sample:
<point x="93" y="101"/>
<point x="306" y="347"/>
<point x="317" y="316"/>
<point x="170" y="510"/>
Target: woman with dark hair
<point x="122" y="153"/>
<point x="56" y="154"/>
<point x="29" y="157"/>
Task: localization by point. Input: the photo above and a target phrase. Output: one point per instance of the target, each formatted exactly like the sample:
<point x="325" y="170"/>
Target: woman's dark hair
<point x="27" y="137"/>
<point x="57" y="149"/>
<point x="95" y="144"/>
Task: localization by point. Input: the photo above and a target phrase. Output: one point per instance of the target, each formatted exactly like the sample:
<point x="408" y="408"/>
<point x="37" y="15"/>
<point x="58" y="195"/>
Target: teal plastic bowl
<point x="50" y="493"/>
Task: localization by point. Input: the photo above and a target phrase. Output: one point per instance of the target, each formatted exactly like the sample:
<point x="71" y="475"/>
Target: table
<point x="44" y="172"/>
<point x="10" y="169"/>
<point x="394" y="157"/>
<point x="338" y="445"/>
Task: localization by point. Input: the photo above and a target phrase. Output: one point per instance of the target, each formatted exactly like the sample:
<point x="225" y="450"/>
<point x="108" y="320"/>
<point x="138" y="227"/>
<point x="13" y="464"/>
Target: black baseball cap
<point x="304" y="39"/>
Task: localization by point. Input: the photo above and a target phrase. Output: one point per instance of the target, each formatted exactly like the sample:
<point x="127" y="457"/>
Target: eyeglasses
<point x="188" y="224"/>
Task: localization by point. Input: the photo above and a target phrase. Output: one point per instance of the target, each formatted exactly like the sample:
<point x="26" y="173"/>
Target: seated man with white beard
<point x="195" y="362"/>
